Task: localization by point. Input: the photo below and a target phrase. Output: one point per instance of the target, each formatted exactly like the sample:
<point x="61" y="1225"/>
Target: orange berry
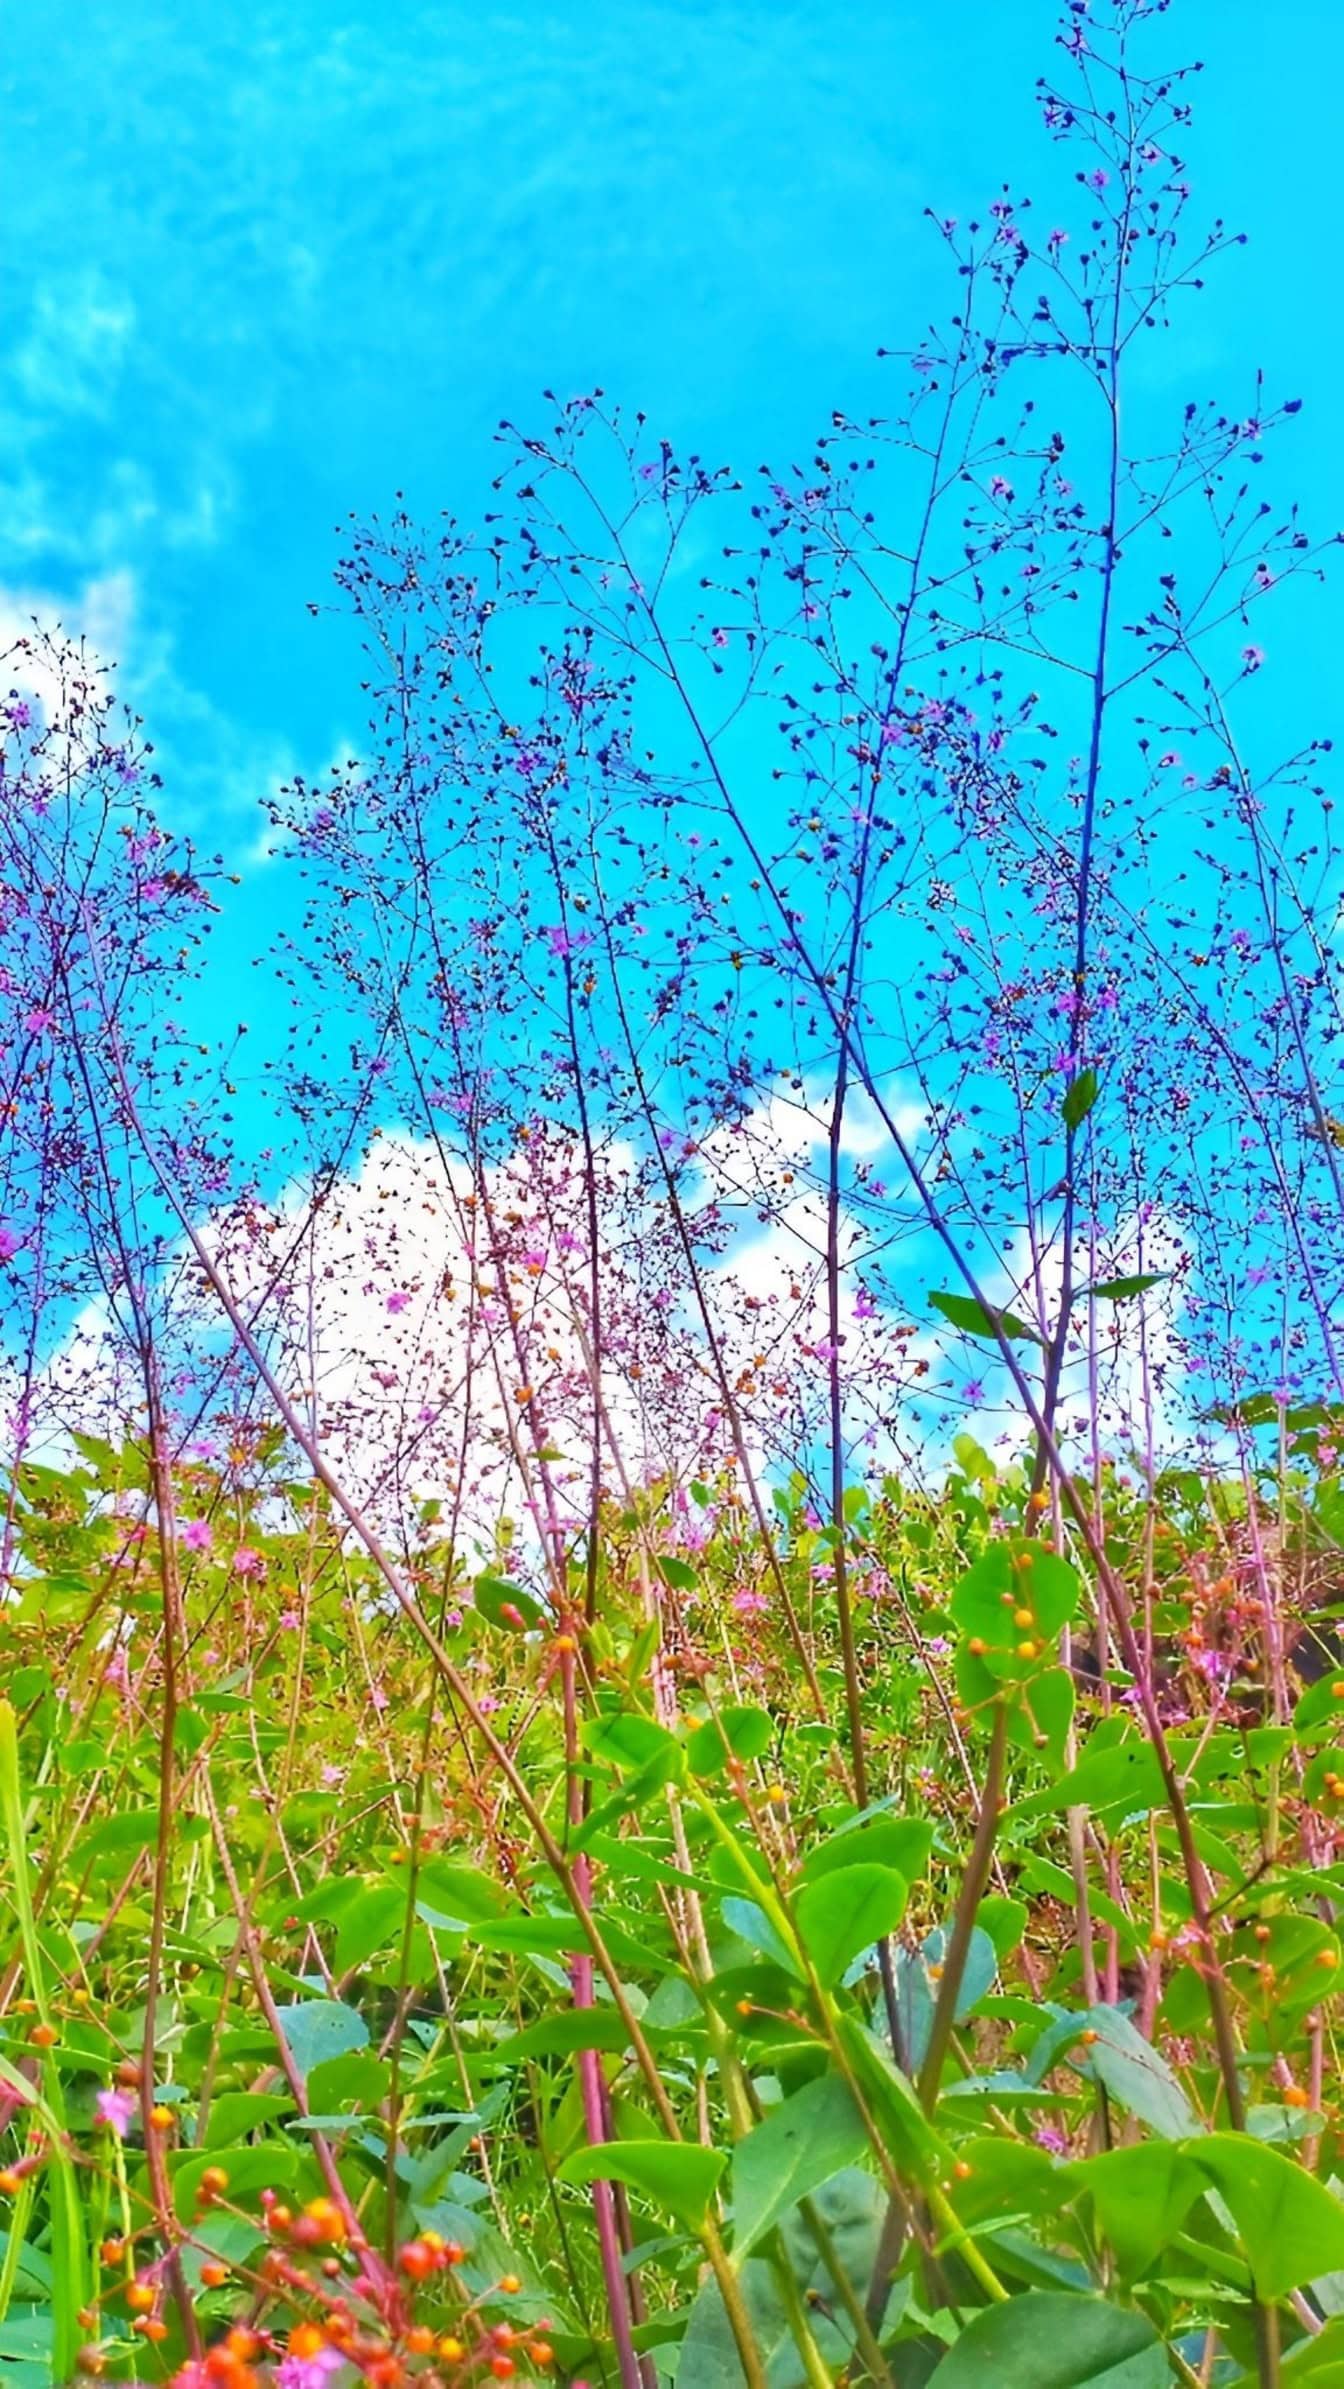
<point x="1023" y="1617"/>
<point x="540" y="2353"/>
<point x="10" y="2182"/>
<point x="213" y="2182"/>
<point x="1089" y="2038"/>
<point x="151" y="2327"/>
<point x="977" y="1646"/>
<point x="566" y="1642"/>
<point x="162" y="2118"/>
<point x="306" y="2340"/>
<point x="214" y="2275"/>
<point x="962" y="2170"/>
<point x="1295" y="2096"/>
<point x="452" y="2350"/>
<point x="90" y="2361"/>
<point x="1327" y="1958"/>
<point x="510" y="2285"/>
<point x="44" y="2036"/>
<point x="1026" y="1650"/>
<point x="113" y="2252"/>
<point x="420" y="2340"/>
<point x="417" y="2261"/>
<point x="140" y="2297"/>
<point x="502" y="2367"/>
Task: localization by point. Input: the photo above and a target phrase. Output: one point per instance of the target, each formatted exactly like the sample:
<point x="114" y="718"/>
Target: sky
<point x="265" y="266"/>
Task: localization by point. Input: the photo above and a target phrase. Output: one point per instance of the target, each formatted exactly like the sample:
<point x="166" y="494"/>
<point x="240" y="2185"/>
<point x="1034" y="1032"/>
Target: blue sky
<point x="266" y="265"/>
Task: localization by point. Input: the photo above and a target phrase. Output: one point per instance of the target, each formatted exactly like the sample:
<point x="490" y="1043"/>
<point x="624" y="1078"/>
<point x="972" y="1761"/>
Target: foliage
<point x="345" y="2107"/>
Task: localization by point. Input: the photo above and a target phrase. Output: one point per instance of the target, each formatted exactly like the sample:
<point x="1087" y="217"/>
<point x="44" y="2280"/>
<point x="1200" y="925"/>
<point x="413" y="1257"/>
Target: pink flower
<point x="10" y="1241"/>
<point x="1252" y="658"/>
<point x="399" y="1301"/>
<point x="197" y="1534"/>
<point x="115" y="2108"/>
<point x="308" y="2372"/>
<point x="247" y="1562"/>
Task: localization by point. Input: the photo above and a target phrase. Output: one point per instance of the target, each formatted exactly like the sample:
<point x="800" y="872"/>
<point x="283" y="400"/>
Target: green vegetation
<point x="342" y="1934"/>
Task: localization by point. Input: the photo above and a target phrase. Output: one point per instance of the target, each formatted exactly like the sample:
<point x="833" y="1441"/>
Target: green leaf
<point x="1049" y="2341"/>
<point x="678" y="2175"/>
<point x="563" y="2034"/>
<point x="916" y="1989"/>
<point x="977" y="1319"/>
<point x="1079" y="1097"/>
<point x="1119" y="1289"/>
<point x="1019" y="1574"/>
<point x="799" y="2145"/>
<point x="709" y="2357"/>
<point x="1004" y="1920"/>
<point x="842" y="1914"/>
<point x="1126" y="1775"/>
<point x="903" y="1843"/>
<point x="1007" y="2179"/>
<point x="504" y="1603"/>
<point x="678" y="1573"/>
<point x="271" y="2165"/>
<point x="751" y="1924"/>
<point x="316" y="2029"/>
<point x="375" y="1918"/>
<point x="236" y="2112"/>
<point x="736" y="1732"/>
<point x="1045" y="1714"/>
<point x="356" y="2080"/>
<point x="1135" y="2074"/>
<point x="1290" y="2226"/>
<point x="1142" y="2196"/>
<point x="626" y="1738"/>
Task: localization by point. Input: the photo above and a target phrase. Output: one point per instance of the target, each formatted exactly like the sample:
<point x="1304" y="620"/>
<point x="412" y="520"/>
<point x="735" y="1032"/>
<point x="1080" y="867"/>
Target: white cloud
<point x="80" y="331"/>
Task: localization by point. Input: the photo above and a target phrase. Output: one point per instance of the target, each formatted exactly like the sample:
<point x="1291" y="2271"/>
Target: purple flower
<point x="308" y="2372"/>
<point x="247" y="1562"/>
<point x="1252" y="658"/>
<point x="197" y="1534"/>
<point x="115" y="2108"/>
<point x="10" y="1241"/>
